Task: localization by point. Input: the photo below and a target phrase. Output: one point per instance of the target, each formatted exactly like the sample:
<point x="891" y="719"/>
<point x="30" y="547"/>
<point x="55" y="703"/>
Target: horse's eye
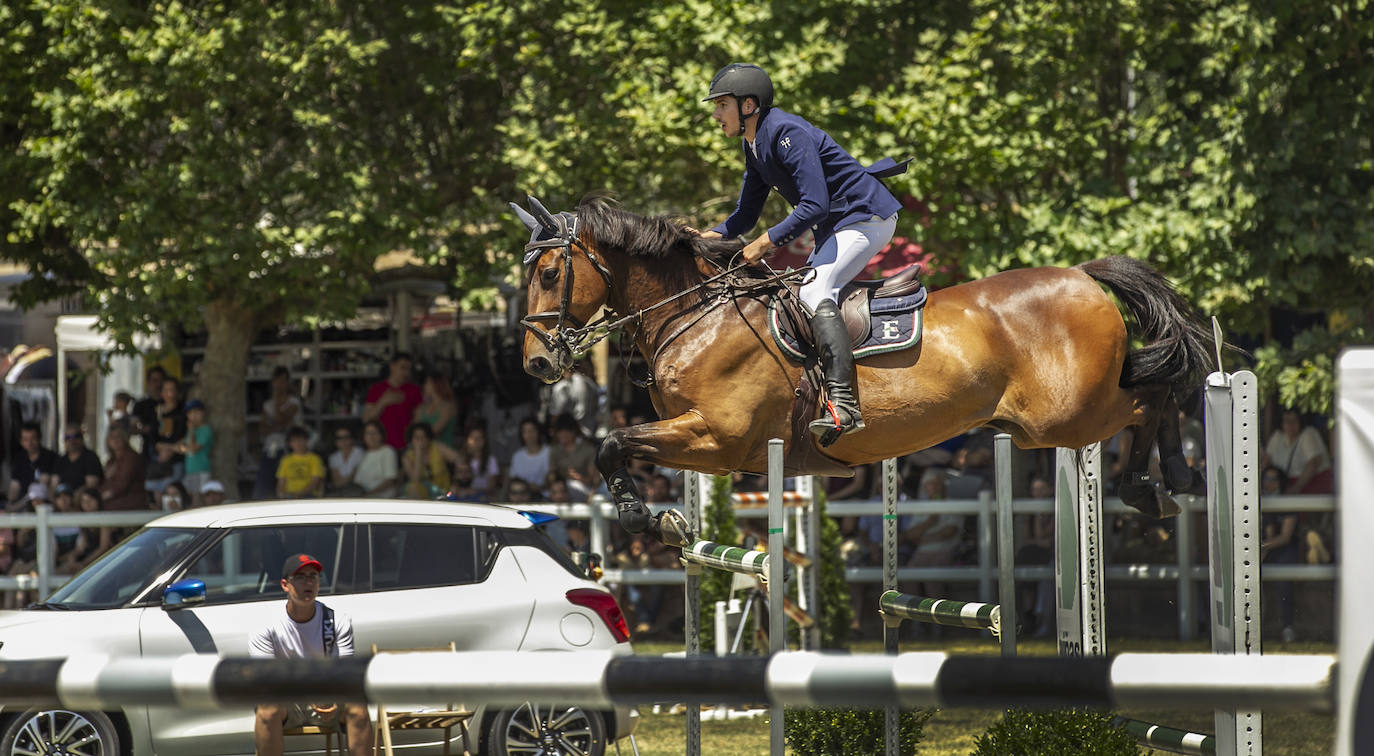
<point x="549" y="275"/>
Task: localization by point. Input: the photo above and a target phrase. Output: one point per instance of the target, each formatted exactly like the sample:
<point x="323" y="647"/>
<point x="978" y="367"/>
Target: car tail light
<point x="605" y="607"/>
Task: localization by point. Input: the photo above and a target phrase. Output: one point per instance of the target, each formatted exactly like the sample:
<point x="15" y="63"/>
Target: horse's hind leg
<point x="1178" y="476"/>
<point x="1136" y="490"/>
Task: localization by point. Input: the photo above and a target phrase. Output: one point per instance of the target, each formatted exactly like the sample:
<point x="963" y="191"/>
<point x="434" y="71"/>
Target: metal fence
<point x="1183" y="571"/>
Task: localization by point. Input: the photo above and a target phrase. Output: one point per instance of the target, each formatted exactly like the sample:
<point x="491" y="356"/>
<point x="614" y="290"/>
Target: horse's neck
<point x="649" y="282"/>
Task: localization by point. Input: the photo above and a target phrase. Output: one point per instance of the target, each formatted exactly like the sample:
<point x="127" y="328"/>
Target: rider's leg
<point x="837" y="262"/>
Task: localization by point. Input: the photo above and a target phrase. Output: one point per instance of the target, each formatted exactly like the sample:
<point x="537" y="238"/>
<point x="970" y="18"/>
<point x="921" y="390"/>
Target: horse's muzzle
<point x="545" y="369"/>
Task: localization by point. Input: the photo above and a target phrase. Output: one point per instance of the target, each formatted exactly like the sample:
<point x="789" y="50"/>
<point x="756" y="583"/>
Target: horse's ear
<point x="525" y="217"/>
<point x="543" y="215"/>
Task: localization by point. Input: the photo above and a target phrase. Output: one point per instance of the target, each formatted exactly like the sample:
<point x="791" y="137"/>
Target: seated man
<point x="307" y="628"/>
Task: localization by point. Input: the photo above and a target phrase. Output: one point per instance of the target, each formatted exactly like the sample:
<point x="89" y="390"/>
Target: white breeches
<point x="843" y="256"/>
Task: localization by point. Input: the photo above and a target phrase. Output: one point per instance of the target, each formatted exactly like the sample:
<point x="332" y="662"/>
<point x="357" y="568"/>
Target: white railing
<point x="1182" y="570"/>
<point x="601" y="516"/>
<point x="43" y="520"/>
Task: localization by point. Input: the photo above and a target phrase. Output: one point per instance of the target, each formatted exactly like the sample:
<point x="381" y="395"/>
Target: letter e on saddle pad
<point x="882" y="316"/>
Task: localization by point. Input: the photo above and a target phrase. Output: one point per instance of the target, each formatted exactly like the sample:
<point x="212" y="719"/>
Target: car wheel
<point x="547" y="730"/>
<point x="78" y="733"/>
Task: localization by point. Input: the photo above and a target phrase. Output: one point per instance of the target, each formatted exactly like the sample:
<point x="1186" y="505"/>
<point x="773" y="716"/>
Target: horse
<point x="1039" y="353"/>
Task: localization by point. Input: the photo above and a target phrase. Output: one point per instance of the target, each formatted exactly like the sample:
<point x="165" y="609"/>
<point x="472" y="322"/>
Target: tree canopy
<point x="165" y="156"/>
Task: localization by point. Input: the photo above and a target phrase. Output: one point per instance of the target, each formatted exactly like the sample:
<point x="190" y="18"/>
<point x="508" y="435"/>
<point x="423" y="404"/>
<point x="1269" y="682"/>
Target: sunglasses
<point x="71" y="436"/>
<point x="343" y="438"/>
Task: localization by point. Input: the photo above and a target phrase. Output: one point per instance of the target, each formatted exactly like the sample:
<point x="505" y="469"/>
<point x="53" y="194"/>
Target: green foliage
<point x="176" y="153"/>
<point x="836" y="611"/>
<point x="1051" y="733"/>
<point x="717" y="524"/>
<point x="824" y="732"/>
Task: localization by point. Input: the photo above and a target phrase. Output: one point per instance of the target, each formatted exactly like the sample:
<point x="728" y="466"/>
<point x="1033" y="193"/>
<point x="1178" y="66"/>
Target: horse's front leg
<point x="684" y="441"/>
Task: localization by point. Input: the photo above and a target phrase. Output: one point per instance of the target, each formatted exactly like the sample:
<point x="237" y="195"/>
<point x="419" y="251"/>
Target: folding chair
<point x="451" y="715"/>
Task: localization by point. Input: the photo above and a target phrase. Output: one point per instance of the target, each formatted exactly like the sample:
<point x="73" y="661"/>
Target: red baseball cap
<point x="297" y="562"/>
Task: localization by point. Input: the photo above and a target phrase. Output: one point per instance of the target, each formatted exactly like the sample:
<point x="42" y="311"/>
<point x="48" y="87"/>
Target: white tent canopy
<point x="78" y="333"/>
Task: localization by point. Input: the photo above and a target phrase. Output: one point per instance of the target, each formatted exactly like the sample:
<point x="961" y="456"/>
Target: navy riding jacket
<point x="827" y="187"/>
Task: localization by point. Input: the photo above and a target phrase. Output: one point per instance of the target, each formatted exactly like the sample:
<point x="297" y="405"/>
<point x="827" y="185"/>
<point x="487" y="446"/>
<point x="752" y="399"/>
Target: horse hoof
<point x="1165" y="504"/>
<point x="1140" y="496"/>
<point x="672" y="529"/>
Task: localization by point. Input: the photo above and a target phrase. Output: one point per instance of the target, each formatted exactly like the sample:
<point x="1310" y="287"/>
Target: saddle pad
<point x="895" y="324"/>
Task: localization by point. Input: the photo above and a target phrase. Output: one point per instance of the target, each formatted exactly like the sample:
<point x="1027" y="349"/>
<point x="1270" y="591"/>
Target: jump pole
<point x="758" y="564"/>
<point x="693" y="495"/>
<point x="1355" y="631"/>
<point x="1231" y="423"/>
<point x="1232" y="431"/>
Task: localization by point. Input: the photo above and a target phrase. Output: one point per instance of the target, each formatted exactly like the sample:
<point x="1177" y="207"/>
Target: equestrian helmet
<point x="742" y="80"/>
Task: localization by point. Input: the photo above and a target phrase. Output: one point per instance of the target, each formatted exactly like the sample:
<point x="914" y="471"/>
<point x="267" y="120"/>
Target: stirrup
<point x="829" y="429"/>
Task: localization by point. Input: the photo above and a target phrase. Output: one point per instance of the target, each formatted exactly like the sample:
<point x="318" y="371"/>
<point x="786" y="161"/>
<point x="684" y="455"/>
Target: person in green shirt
<point x="200" y="441"/>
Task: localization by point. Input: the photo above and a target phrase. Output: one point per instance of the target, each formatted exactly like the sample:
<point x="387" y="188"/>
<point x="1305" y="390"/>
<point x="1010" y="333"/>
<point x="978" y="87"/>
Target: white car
<point x="411" y="574"/>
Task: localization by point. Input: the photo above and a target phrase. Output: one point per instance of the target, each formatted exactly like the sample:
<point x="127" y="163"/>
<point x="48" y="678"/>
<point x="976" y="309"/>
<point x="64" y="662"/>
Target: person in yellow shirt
<point x="300" y="474"/>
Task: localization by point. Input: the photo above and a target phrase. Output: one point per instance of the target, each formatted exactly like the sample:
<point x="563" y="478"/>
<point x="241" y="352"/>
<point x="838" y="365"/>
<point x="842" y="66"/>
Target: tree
<point x="234" y="167"/>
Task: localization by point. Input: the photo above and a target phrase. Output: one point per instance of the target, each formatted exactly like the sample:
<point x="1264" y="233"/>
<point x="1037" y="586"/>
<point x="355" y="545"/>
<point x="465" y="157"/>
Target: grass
<point x="952" y="732"/>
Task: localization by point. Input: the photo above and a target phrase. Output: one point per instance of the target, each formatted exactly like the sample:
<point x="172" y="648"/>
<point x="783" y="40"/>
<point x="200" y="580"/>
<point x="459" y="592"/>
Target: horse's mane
<point x="659" y="236"/>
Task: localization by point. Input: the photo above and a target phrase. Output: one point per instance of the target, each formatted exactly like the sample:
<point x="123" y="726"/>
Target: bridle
<point x="576" y="341"/>
<point x="570" y="342"/>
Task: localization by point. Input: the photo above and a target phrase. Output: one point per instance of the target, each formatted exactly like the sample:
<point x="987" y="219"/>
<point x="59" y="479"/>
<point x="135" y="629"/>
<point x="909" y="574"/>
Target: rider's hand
<point x="702" y="234"/>
<point x="757" y="248"/>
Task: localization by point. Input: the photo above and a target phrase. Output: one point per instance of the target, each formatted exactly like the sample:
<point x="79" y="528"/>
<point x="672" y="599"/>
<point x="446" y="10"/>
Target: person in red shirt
<point x="392" y="401"/>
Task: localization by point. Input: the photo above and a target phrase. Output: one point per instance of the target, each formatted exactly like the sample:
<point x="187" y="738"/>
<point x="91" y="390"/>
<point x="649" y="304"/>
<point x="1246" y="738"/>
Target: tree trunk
<point x="230" y="329"/>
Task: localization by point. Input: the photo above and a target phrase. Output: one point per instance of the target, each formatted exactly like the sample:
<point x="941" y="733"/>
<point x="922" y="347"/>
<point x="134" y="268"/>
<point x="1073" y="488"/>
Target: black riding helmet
<point x="743" y="80"/>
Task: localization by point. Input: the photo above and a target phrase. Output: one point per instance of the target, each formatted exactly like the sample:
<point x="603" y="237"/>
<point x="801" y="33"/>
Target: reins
<point x="578" y="340"/>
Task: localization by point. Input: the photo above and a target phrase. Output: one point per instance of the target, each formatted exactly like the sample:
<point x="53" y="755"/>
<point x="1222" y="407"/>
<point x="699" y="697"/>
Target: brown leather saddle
<point x="856" y="306"/>
<point x="861" y="304"/>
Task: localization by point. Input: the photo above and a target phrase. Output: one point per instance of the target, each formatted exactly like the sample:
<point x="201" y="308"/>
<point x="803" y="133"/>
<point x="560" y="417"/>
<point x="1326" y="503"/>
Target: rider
<point x="849" y="211"/>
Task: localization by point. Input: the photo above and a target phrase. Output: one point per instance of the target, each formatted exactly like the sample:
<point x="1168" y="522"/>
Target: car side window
<point x="422" y="556"/>
<point x="245" y="564"/>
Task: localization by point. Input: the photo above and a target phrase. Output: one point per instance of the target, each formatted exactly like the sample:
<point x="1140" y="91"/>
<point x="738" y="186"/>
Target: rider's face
<point x="726" y="114"/>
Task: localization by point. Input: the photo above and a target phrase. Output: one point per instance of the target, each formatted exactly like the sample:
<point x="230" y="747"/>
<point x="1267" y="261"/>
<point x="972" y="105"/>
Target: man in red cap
<point x="308" y="628"/>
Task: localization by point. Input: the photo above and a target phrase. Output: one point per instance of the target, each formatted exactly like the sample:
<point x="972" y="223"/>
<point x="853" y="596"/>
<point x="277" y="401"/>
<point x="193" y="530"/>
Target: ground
<point x="953" y="731"/>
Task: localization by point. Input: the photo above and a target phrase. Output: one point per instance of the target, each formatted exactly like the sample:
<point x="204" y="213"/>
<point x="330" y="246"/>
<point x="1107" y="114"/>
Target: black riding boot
<point x="841" y="412"/>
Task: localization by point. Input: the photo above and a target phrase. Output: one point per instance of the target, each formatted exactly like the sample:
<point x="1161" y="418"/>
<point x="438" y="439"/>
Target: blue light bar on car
<point x="538" y="518"/>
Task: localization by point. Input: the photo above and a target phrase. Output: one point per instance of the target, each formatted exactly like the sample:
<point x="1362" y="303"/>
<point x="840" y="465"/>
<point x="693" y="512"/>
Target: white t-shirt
<point x="276" y="442"/>
<point x="376" y="466"/>
<point x="286" y="638"/>
<point x="1293" y="457"/>
<point x="531" y="468"/>
<point x="345" y="467"/>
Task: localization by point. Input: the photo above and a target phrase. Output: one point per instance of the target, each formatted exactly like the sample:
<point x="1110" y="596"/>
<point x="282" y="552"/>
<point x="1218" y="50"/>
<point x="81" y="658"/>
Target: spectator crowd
<point x="414" y="439"/>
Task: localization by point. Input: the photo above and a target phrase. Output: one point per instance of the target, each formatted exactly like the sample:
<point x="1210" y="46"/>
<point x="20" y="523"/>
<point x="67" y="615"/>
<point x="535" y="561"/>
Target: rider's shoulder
<point x="780" y="123"/>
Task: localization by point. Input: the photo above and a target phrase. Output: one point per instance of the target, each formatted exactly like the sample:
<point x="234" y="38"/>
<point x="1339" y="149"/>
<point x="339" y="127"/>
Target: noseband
<point x="576" y="341"/>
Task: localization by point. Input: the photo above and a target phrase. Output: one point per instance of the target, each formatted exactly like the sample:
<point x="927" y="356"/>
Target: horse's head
<point x="567" y="283"/>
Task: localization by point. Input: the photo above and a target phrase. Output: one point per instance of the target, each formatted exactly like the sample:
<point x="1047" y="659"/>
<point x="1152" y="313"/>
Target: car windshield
<point x="116" y="578"/>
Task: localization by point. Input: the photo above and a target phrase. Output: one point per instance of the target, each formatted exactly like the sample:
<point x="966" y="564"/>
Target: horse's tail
<point x="1175" y="351"/>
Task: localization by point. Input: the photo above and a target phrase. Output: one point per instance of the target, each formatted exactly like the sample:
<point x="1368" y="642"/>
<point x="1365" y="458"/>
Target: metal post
<point x="1183" y="546"/>
<point x="596" y="528"/>
<point x="1078" y="563"/>
<point x="1006" y="556"/>
<point x="45" y="555"/>
<point x="692" y="485"/>
<point x="1355" y="471"/>
<point x="1233" y="536"/>
<point x="777" y="589"/>
<point x="985" y="546"/>
<point x="810" y="595"/>
<point x="891" y="745"/>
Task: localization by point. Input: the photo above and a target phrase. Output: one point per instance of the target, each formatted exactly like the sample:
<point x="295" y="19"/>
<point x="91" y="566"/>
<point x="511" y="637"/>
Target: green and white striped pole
<point x="1168" y="739"/>
<point x="970" y="614"/>
<point x="718" y="556"/>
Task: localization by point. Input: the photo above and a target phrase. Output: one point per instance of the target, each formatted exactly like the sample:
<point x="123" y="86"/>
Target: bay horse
<point x="1039" y="353"/>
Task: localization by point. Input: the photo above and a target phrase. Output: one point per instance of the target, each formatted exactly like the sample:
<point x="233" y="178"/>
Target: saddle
<point x="881" y="316"/>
